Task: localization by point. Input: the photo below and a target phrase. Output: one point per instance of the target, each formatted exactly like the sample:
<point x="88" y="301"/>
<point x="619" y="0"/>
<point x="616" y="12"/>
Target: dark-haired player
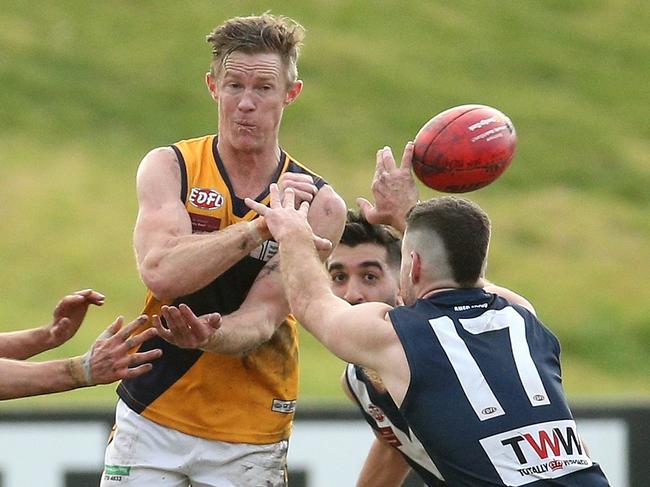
<point x="364" y="267"/>
<point x="476" y="378"/>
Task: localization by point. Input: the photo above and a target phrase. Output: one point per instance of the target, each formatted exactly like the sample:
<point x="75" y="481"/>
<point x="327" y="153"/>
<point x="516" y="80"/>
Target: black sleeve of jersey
<point x="318" y="181"/>
<point x="183" y="170"/>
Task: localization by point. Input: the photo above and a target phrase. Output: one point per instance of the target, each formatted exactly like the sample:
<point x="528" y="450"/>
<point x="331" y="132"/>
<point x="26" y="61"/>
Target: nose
<point x="353" y="294"/>
<point x="246" y="103"/>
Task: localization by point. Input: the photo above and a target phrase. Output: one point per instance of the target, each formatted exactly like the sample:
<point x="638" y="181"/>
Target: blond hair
<point x="264" y="33"/>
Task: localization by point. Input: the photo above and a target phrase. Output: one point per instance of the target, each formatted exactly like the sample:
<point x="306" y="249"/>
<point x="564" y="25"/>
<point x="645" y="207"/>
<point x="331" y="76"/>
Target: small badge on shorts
<point x="116" y="472"/>
<point x="281" y="406"/>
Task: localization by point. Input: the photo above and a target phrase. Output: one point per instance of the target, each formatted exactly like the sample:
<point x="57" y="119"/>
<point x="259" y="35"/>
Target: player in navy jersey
<point x="476" y="378"/>
<point x="364" y="267"/>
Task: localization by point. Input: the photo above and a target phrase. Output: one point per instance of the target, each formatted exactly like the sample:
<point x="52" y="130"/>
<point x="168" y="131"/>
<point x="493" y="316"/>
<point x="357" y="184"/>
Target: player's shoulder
<point x="157" y="160"/>
<point x="156" y="154"/>
<point x="510" y="296"/>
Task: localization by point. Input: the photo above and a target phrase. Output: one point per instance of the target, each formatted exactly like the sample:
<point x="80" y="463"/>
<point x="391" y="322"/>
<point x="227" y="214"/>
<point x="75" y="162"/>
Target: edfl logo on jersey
<point x="206" y="198"/>
<point x="540" y="451"/>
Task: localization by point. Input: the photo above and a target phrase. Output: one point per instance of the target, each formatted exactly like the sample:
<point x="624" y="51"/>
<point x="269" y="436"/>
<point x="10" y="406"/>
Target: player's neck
<point x="434" y="291"/>
<point x="437" y="287"/>
<point x="249" y="172"/>
<point x="445" y="285"/>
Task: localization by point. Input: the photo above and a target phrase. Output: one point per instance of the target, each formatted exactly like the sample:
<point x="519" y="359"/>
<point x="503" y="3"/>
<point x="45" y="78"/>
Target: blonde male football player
<point x="217" y="409"/>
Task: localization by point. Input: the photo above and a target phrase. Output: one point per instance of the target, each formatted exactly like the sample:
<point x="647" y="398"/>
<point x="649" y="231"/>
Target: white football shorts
<point x="145" y="454"/>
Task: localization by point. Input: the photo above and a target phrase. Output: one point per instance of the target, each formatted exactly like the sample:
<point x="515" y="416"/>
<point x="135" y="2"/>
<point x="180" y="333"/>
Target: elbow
<point x="327" y="217"/>
<point x="333" y="206"/>
<point x="163" y="288"/>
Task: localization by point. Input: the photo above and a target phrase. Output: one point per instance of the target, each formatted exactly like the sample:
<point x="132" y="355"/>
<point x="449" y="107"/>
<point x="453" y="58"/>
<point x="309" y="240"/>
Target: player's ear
<point x="211" y="82"/>
<point x="294" y="90"/>
<point x="415" y="273"/>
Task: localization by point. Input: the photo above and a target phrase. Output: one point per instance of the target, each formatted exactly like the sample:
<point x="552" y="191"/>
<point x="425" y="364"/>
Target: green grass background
<point x="87" y="88"/>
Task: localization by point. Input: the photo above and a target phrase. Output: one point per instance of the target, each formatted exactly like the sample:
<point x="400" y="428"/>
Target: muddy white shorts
<point x="142" y="453"/>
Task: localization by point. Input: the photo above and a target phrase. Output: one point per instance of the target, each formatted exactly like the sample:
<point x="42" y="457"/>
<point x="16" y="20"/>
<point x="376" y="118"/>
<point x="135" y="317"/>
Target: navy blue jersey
<point x="382" y="414"/>
<point x="485" y="397"/>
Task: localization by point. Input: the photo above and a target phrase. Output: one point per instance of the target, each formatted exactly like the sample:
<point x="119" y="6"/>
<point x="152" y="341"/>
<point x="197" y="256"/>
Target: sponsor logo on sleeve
<point x="389" y="436"/>
<point x="206" y="198"/>
<point x="375" y="412"/>
<point x="541" y="451"/>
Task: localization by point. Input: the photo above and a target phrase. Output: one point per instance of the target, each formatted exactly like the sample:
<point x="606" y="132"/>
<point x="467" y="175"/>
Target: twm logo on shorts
<point x="540" y="451"/>
<point x="206" y="198"/>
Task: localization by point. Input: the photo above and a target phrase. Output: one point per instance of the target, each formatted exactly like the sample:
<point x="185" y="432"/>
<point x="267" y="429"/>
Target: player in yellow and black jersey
<point x="218" y="411"/>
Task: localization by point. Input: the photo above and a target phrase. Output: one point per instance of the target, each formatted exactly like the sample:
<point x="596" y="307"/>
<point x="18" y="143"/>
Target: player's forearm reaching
<point x="311" y="299"/>
<point x="66" y="320"/>
<point x="109" y="359"/>
<point x="265" y="306"/>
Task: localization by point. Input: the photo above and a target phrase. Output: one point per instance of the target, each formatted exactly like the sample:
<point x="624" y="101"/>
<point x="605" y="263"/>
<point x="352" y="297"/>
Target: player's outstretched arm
<point x="393" y="189"/>
<point x="354" y="334"/>
<point x="265" y="307"/>
<point x="164" y="244"/>
<point x="67" y="317"/>
<point x="109" y="359"/>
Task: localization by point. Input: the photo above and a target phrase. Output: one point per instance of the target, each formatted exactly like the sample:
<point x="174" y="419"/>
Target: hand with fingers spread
<point x="110" y="358"/>
<point x="112" y="355"/>
<point x="284" y="220"/>
<point x="68" y="315"/>
<point x="393" y="188"/>
<point x="302" y="184"/>
<point x="186" y="330"/>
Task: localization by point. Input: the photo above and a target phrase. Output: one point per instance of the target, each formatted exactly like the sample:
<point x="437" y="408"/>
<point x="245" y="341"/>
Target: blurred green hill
<point x="87" y="88"/>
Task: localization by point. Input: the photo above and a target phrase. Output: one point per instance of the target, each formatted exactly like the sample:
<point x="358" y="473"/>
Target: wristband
<point x="87" y="368"/>
<point x="81" y="370"/>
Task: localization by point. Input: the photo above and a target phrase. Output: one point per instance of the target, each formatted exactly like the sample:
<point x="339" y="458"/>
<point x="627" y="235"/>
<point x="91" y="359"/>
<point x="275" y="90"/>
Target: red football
<point x="464" y="148"/>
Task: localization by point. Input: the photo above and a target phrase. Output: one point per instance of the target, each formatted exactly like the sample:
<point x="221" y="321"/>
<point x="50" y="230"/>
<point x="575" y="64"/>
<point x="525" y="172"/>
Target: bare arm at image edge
<point x="110" y="358"/>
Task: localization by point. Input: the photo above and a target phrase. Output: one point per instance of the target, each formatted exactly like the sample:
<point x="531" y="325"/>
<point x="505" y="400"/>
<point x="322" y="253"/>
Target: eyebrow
<point x="337" y="266"/>
<point x="235" y="73"/>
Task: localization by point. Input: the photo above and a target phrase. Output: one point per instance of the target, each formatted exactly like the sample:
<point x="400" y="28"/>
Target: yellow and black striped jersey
<point x="243" y="399"/>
